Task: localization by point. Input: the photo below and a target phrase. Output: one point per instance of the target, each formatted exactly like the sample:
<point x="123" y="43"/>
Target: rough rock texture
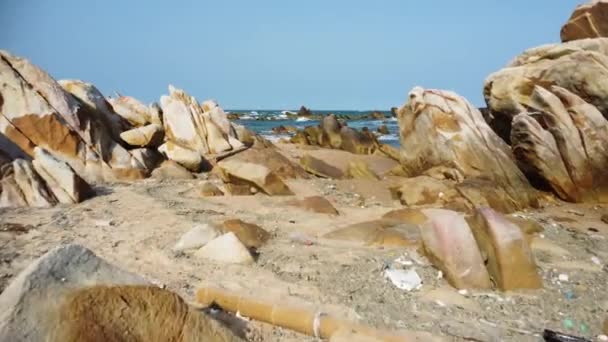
<point x="21" y="186"/>
<point x="188" y="158"/>
<point x="360" y="170"/>
<point x="134" y="313"/>
<point x="61" y="180"/>
<point x="251" y="235"/>
<point x="385" y="233"/>
<point x="235" y="171"/>
<point x="423" y="190"/>
<point x="196" y="238"/>
<point x="510" y="260"/>
<point x="208" y="189"/>
<point x="320" y="168"/>
<point x="450" y="245"/>
<point x="30" y="303"/>
<point x="588" y="20"/>
<point x="171" y="170"/>
<point x="150" y="135"/>
<point x="36" y="111"/>
<point x="562" y="143"/>
<point x="135" y="112"/>
<point x="440" y="129"/>
<point x="315" y="204"/>
<point x="226" y="249"/>
<point x="579" y="66"/>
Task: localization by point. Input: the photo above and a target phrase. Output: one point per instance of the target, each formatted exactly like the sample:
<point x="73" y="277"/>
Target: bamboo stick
<point x="297" y="319"/>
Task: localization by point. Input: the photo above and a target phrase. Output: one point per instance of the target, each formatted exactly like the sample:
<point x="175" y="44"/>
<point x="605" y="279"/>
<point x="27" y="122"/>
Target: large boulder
<point x="579" y="66"/>
<point x="135" y="112"/>
<point x="150" y="135"/>
<point x="37" y="111"/>
<point x="257" y="175"/>
<point x="588" y="20"/>
<point x="21" y="186"/>
<point x="562" y="143"/>
<point x="441" y="130"/>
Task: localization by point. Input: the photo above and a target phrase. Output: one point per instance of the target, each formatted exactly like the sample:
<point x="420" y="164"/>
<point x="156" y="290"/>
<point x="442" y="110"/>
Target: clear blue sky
<point x="326" y="54"/>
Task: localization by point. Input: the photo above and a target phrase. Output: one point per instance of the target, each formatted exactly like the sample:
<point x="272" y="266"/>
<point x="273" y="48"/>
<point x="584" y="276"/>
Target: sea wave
<point x="302" y="119"/>
<point x="389" y="137"/>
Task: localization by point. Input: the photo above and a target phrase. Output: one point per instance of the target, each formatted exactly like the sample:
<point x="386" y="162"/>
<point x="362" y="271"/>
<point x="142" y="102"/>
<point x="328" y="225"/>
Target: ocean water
<point x="262" y="122"/>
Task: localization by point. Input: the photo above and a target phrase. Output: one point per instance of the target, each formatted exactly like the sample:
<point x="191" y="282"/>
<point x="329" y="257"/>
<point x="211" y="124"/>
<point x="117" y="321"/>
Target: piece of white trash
<point x="407" y="280"/>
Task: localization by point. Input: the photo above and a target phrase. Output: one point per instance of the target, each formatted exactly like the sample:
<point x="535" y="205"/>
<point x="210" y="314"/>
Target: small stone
<point x="226" y="249"/>
<point x="196" y="237"/>
<point x="563" y="277"/>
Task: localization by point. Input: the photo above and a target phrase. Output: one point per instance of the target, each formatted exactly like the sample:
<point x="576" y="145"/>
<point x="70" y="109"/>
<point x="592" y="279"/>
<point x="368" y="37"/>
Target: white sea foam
<point x="389" y="137"/>
<point x="302" y="119"/>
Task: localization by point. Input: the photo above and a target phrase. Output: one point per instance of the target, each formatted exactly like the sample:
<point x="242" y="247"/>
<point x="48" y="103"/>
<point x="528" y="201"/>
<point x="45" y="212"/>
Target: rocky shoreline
<point x="484" y="225"/>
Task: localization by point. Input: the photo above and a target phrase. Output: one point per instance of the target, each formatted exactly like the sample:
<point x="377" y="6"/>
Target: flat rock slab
<point x="35" y="295"/>
<point x="251" y="235"/>
<point x="315" y="204"/>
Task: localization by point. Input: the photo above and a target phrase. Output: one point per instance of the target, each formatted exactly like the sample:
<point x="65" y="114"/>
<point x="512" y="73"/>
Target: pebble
<point x="563" y="277"/>
<point x="596" y="260"/>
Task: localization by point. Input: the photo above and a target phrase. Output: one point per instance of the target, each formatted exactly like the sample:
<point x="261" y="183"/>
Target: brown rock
<point x="133" y="313"/>
<point x="251" y="235"/>
<point x="450" y="245"/>
<point x="510" y="260"/>
<point x="208" y="189"/>
<point x="356" y="142"/>
<point x="319" y="168"/>
<point x="331" y="129"/>
<point x="383" y="129"/>
<point x="386" y="233"/>
<point x="441" y="129"/>
<point x="21" y="186"/>
<point x="238" y="189"/>
<point x="259" y="176"/>
<point x="171" y="170"/>
<point x="604" y="218"/>
<point x="389" y="151"/>
<point x="300" y="138"/>
<point x="270" y="157"/>
<point x="406" y="215"/>
<point x="304" y="111"/>
<point x="360" y="170"/>
<point x="605" y="330"/>
<point x="588" y="20"/>
<point x="316" y="204"/>
<point x="150" y="135"/>
<point x="424" y="190"/>
<point x="527" y="226"/>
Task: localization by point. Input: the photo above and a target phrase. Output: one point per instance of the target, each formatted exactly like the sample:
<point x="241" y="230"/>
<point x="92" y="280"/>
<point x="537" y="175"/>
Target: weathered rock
<point x="389" y="151"/>
<point x="36" y="111"/>
<point x="300" y="138"/>
<point x="88" y="95"/>
<point x="423" y="190"/>
<point x="510" y="260"/>
<point x="149" y="157"/>
<point x="133" y="313"/>
<point x="315" y="204"/>
<point x="196" y="238"/>
<point x="171" y="170"/>
<point x="441" y="129"/>
<point x="271" y="158"/>
<point x="226" y="249"/>
<point x="563" y="145"/>
<point x="244" y="135"/>
<point x="251" y="235"/>
<point x="319" y="168"/>
<point x="238" y="189"/>
<point x="386" y="233"/>
<point x="527" y="226"/>
<point x="135" y="112"/>
<point x="235" y="171"/>
<point x="4" y="158"/>
<point x="61" y="180"/>
<point x="450" y="245"/>
<point x="29" y="305"/>
<point x="406" y="215"/>
<point x="208" y="189"/>
<point x="21" y="186"/>
<point x="304" y="111"/>
<point x="588" y="20"/>
<point x="145" y="136"/>
<point x="383" y="129"/>
<point x="579" y="66"/>
<point x="185" y="157"/>
<point x="356" y="142"/>
<point x="360" y="170"/>
<point x="331" y="128"/>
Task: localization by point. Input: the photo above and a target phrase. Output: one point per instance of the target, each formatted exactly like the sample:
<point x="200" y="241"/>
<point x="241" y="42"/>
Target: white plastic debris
<point x="407" y="280"/>
<point x="596" y="260"/>
<point x="439" y="275"/>
<point x="402" y="260"/>
<point x="463" y="292"/>
<point x="563" y="277"/>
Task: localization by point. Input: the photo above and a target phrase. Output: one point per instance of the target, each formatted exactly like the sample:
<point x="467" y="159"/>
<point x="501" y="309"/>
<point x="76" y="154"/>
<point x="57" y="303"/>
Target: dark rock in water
<point x="383" y="129"/>
<point x="394" y="111"/>
<point x="304" y="111"/>
<point x="233" y="116"/>
<point x="356" y="142"/>
<point x="377" y="115"/>
<point x="331" y="128"/>
<point x="279" y="130"/>
<point x="300" y="138"/>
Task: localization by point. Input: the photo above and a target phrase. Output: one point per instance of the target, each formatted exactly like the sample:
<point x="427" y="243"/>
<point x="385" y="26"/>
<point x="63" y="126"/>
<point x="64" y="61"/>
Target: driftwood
<point x="297" y="319"/>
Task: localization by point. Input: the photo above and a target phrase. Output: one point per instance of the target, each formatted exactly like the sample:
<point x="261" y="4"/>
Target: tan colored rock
<point x="251" y="235"/>
<point x="145" y="136"/>
<point x="527" y="226"/>
<point x="389" y="151"/>
<point x="605" y="329"/>
<point x="171" y="170"/>
<point x="423" y="190"/>
<point x="226" y="249"/>
<point x="60" y="178"/>
<point x="360" y="170"/>
<point x="319" y="168"/>
<point x="386" y="233"/>
<point x="356" y="142"/>
<point x="442" y="129"/>
<point x="315" y="204"/>
<point x="238" y="189"/>
<point x="235" y="171"/>
<point x="510" y="260"/>
<point x="578" y="66"/>
<point x="36" y="111"/>
<point x="568" y="151"/>
<point x="331" y="129"/>
<point x="132" y="110"/>
<point x="21" y="186"/>
<point x="589" y="20"/>
<point x="196" y="238"/>
<point x="208" y="189"/>
<point x="450" y="245"/>
<point x="149" y="157"/>
<point x="446" y="296"/>
<point x="189" y="159"/>
<point x="406" y="215"/>
<point x="270" y="157"/>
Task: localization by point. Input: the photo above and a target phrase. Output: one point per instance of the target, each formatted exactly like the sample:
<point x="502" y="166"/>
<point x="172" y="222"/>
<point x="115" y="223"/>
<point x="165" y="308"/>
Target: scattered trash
<point x="563" y="277"/>
<point x="596" y="260"/>
<point x="403" y="261"/>
<point x="583" y="328"/>
<point x="569" y="294"/>
<point x="568" y="324"/>
<point x="407" y="280"/>
<point x="553" y="336"/>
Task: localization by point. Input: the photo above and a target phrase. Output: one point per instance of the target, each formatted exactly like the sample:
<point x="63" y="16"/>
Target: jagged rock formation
<point x="444" y="136"/>
<point x="588" y="20"/>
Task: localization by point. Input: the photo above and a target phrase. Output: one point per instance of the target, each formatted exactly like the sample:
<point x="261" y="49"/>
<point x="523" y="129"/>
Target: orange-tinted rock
<point x="208" y="189"/>
<point x="251" y="235"/>
<point x="406" y="215"/>
<point x="21" y="186"/>
<point x="271" y="158"/>
<point x="356" y="142"/>
<point x="450" y="245"/>
<point x="360" y="170"/>
<point x="385" y="233"/>
<point x="171" y="170"/>
<point x="238" y="189"/>
<point x="320" y="168"/>
<point x="588" y="20"/>
<point x="424" y="190"/>
<point x="316" y="204"/>
<point x="510" y="259"/>
<point x="235" y="171"/>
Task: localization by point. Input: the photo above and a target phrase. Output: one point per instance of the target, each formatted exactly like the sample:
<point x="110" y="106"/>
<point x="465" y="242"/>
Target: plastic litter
<point x="407" y="280"/>
<point x="568" y="324"/>
<point x="554" y="336"/>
